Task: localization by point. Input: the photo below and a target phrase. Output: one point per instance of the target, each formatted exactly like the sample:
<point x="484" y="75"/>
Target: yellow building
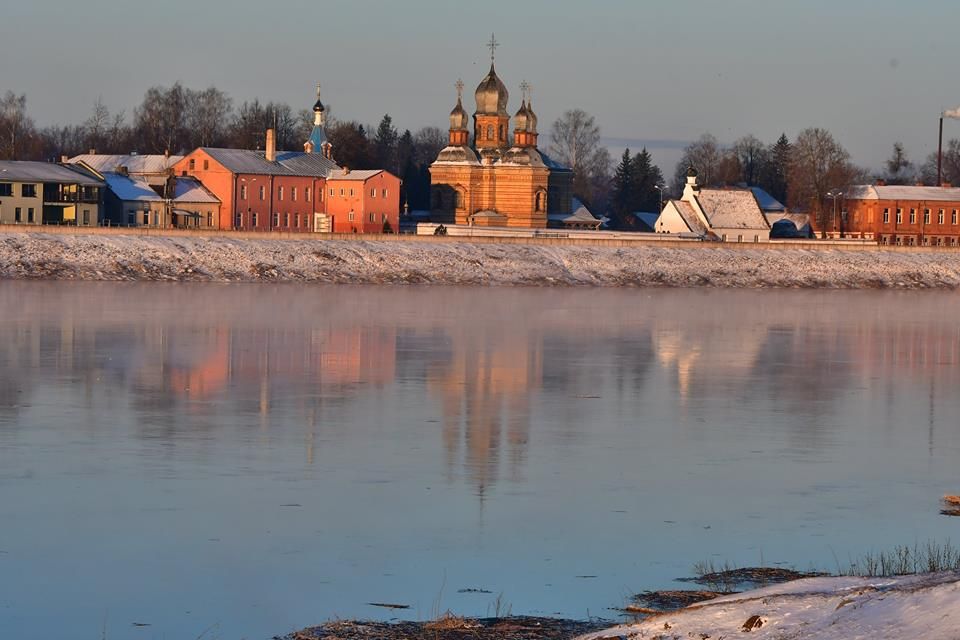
<point x="500" y="180"/>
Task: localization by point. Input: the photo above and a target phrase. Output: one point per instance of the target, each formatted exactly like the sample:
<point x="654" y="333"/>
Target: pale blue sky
<point x="871" y="71"/>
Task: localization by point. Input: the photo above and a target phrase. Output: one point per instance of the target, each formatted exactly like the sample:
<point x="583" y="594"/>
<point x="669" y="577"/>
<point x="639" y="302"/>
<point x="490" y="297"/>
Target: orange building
<point x="501" y="180"/>
<point x="901" y="215"/>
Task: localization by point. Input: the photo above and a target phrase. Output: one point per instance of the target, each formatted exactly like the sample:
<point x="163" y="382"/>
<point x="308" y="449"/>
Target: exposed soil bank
<point x="220" y="259"/>
<point x="452" y="628"/>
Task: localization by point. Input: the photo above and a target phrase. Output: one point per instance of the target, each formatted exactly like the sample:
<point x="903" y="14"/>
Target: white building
<point x="728" y="215"/>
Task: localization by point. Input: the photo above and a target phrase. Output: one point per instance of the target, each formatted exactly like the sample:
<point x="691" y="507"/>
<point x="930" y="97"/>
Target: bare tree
<point x="95" y="127"/>
<point x="951" y="165"/>
<point x="751" y="153"/>
<point x="427" y="143"/>
<point x="575" y="142"/>
<point x="818" y="164"/>
<point x="704" y="155"/>
<point x="208" y="112"/>
<point x="160" y="120"/>
<point x="16" y="127"/>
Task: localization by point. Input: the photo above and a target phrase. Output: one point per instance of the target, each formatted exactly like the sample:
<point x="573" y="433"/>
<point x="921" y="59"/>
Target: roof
<point x="580" y="215"/>
<point x="731" y="209"/>
<point x="288" y="163"/>
<point x="26" y="171"/>
<point x="648" y="218"/>
<point x="318" y="137"/>
<point x="767" y="202"/>
<point x="551" y="163"/>
<point x="690" y="217"/>
<point x="135" y="164"/>
<point x="902" y="192"/>
<point x="132" y="188"/>
<point x="353" y="174"/>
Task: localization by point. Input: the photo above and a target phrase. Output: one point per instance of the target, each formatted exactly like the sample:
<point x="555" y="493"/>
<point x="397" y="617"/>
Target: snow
<point x="924" y="606"/>
<point x="410" y="259"/>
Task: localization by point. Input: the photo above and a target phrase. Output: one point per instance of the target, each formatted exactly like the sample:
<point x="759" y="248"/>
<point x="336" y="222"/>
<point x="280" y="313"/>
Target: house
<point x="182" y="203"/>
<point x="362" y="201"/>
<point x="581" y="218"/>
<point x="783" y="223"/>
<point x="645" y="221"/>
<point x="900" y="215"/>
<point x="46" y="193"/>
<point x="728" y="215"/>
<point x="154" y="169"/>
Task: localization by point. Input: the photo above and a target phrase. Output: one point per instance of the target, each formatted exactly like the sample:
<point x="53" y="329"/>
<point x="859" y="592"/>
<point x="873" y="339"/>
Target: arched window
<point x="458" y="198"/>
<point x="489" y="132"/>
<point x="501" y="132"/>
<point x="539" y="201"/>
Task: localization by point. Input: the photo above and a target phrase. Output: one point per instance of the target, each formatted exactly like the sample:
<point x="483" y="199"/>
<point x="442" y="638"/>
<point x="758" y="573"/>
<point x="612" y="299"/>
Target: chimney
<point x="346" y="169"/>
<point x="271" y="151"/>
<point x="308" y="147"/>
<point x="881" y="182"/>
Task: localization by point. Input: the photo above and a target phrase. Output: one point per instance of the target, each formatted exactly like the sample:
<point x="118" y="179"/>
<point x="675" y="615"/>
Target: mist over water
<point x="249" y="459"/>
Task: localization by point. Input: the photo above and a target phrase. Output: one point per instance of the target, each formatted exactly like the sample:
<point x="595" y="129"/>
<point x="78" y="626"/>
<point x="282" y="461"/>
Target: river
<point x="241" y="460"/>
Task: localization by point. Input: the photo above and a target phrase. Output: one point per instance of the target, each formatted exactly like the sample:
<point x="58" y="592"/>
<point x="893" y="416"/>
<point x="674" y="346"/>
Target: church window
<point x="459" y="199"/>
<point x="538" y="201"/>
<point x="489" y="132"/>
<point x="500" y="130"/>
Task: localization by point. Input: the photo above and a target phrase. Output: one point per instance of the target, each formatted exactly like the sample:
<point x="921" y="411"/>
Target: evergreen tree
<point x="646" y="177"/>
<point x="385" y="146"/>
<point x="624" y="188"/>
<point x="774" y="176"/>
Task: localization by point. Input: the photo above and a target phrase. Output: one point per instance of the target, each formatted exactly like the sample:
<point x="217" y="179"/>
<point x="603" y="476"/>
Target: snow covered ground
<point x="924" y="606"/>
<point x="108" y="257"/>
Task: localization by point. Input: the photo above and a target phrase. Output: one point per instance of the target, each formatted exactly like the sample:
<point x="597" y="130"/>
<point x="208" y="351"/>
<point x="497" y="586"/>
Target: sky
<point x="653" y="73"/>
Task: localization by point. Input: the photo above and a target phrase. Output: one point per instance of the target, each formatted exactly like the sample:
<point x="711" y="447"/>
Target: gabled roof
<point x="902" y="192"/>
<point x="731" y="209"/>
<point x="134" y="189"/>
<point x="580" y="215"/>
<point x="690" y="217"/>
<point x="288" y="163"/>
<point x="135" y="164"/>
<point x="318" y="137"/>
<point x="768" y="204"/>
<point x="648" y="218"/>
<point x="353" y="174"/>
<point x="27" y="171"/>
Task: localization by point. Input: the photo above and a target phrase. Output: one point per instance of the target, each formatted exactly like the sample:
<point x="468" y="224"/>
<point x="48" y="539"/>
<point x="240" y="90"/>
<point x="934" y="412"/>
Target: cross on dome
<point x="524" y="87"/>
<point x="492" y="45"/>
<point x="459" y="85"/>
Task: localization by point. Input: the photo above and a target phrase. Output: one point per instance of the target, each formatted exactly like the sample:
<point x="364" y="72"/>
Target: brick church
<point x="499" y="178"/>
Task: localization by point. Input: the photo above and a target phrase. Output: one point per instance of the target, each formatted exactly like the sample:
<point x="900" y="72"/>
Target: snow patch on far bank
<point x="222" y="259"/>
<point x="923" y="606"/>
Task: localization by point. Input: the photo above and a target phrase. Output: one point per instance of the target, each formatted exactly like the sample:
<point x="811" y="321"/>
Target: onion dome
<point x="521" y="121"/>
<point x="458" y="117"/>
<point x="492" y="95"/>
<point x="531" y="118"/>
<point x="318" y="106"/>
<point x="691" y="172"/>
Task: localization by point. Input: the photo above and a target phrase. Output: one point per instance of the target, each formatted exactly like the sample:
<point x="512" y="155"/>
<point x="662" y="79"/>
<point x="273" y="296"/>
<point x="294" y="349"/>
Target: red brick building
<point x="294" y="191"/>
<point x="902" y="215"/>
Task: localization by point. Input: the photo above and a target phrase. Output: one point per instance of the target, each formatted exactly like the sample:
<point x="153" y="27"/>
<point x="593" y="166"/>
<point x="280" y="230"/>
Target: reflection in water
<point x="586" y="422"/>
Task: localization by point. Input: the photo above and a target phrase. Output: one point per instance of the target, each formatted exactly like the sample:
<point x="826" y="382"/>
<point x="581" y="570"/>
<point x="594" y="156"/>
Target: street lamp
<point x="835" y="194"/>
<point x="660" y="188"/>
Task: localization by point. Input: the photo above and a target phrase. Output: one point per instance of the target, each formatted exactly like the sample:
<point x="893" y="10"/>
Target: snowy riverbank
<point x="919" y="606"/>
<point x="227" y="259"/>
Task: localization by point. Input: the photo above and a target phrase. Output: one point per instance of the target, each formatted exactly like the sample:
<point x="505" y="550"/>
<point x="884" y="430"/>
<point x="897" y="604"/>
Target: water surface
<point x="243" y="460"/>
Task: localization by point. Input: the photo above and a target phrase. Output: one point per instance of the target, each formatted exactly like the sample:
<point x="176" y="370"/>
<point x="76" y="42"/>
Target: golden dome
<point x="458" y="118"/>
<point x="521" y="121"/>
<point x="491" y="95"/>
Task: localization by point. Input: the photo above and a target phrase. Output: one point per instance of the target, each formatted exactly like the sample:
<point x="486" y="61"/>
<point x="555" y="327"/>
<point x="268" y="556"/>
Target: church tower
<point x="491" y="122"/>
<point x="318" y="141"/>
<point x="459" y="133"/>
<point x="525" y="122"/>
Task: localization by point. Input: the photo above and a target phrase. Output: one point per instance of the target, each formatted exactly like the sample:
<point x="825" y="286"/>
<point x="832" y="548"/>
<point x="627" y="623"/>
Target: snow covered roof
<point x="731" y="209"/>
<point x="26" y="171"/>
<point x="135" y="189"/>
<point x="135" y="164"/>
<point x="288" y="163"/>
<point x="766" y="201"/>
<point x="647" y="217"/>
<point x="354" y="174"/>
<point x="580" y="215"/>
<point x="902" y="192"/>
<point x="551" y="163"/>
<point x="690" y="217"/>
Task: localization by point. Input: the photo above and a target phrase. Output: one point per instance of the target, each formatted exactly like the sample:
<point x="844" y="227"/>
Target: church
<point x="499" y="178"/>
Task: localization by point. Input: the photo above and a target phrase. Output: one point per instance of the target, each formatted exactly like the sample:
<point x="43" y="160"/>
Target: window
<point x="17" y="215"/>
<point x="293" y="194"/>
<point x="373" y="217"/>
<point x="238" y="221"/>
<point x="243" y="192"/>
<point x="286" y="219"/>
<point x="458" y="199"/>
<point x="86" y="216"/>
<point x="385" y="220"/>
<point x="275" y="219"/>
<point x="341" y="192"/>
<point x="146" y="218"/>
<point x="756" y="238"/>
<point x="351" y="192"/>
<point x="6" y="189"/>
<point x="723" y="238"/>
<point x="373" y="192"/>
<point x="209" y="218"/>
<point x="30" y="215"/>
<point x="739" y="238"/>
<point x="538" y="201"/>
<point x="263" y="193"/>
<point x="350" y="216"/>
<point x="296" y="220"/>
<point x="953" y="217"/>
<point x="279" y="193"/>
<point x="501" y="132"/>
<point x="886" y="216"/>
<point x="253" y="219"/>
<point x="306" y="194"/>
<point x="28" y="190"/>
<point x="193" y="164"/>
<point x="940" y="216"/>
<point x="331" y="192"/>
<point x="489" y="132"/>
<point x="899" y="216"/>
<point x="913" y="216"/>
<point x="926" y="216"/>
<point x="384" y="193"/>
<point x="206" y="165"/>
